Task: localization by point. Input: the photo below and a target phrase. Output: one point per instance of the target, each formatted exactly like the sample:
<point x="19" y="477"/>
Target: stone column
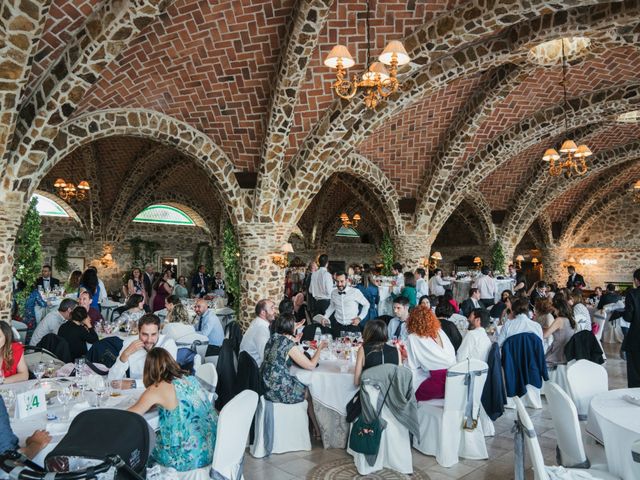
<point x="411" y="250"/>
<point x="12" y="209"/>
<point x="259" y="277"/>
<point x="553" y="258"/>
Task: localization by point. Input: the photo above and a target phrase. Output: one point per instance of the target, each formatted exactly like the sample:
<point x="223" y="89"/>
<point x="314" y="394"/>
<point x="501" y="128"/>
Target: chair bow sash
<point x="470" y="423"/>
<point x="519" y="431"/>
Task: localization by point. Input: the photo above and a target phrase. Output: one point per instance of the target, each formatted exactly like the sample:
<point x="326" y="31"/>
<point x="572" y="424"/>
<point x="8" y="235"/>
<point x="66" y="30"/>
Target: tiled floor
<point x="498" y="467"/>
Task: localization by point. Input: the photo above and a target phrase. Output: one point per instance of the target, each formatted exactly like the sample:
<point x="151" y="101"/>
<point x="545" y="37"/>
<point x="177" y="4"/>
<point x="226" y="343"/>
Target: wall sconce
<point x="571" y="260"/>
<point x="435" y="258"/>
<point x="478" y="262"/>
<point x="281" y="259"/>
<point x="535" y="262"/>
<point x="588" y="261"/>
<point x="106" y="260"/>
<point x="519" y="260"/>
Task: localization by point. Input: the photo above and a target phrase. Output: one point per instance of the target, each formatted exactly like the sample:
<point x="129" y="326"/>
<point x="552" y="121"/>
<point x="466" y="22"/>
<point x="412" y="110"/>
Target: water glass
<point x="9" y="398"/>
<point x="64" y="397"/>
<point x="39" y="372"/>
<point x="1" y="377"/>
<point x="101" y="388"/>
<point x="80" y="363"/>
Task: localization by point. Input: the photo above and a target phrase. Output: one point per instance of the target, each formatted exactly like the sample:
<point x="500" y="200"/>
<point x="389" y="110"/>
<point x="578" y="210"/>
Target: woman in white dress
<point x="580" y="311"/>
<point x="429" y="353"/>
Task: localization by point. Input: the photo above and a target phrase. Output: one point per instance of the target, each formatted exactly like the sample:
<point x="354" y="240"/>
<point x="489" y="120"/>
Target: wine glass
<point x="1" y="377"/>
<point x="39" y="372"/>
<point x="100" y="387"/>
<point x="64" y="396"/>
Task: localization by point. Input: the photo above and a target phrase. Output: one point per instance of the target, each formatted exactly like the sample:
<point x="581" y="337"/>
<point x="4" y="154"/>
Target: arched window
<point x="48" y="207"/>
<point x="164" y="214"/>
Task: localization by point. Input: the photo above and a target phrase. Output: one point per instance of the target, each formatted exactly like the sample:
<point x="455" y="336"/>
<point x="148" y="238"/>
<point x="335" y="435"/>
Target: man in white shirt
<point x="52" y="321"/>
<point x="487" y="286"/>
<point x="422" y="286"/>
<point x="257" y="335"/>
<point x="471" y="303"/>
<point x="398" y="281"/>
<point x="521" y="323"/>
<point x="321" y="286"/>
<point x="398" y="325"/>
<point x="344" y="305"/>
<point x="476" y="343"/>
<point x="209" y="325"/>
<point x="437" y="283"/>
<point x="134" y="350"/>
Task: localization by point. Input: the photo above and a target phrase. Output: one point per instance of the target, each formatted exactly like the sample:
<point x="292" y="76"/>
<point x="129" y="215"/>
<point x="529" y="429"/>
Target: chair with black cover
<point x="233" y="332"/>
<point x="226" y="368"/>
<point x="118" y="311"/>
<point x="248" y="376"/>
<point x="56" y="345"/>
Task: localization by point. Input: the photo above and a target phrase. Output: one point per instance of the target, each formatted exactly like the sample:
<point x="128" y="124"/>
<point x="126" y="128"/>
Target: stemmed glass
<point x="39" y="372"/>
<point x="100" y="387"/>
<point x="64" y="396"/>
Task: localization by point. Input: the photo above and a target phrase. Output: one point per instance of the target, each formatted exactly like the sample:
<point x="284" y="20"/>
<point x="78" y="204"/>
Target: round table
<point x="619" y="422"/>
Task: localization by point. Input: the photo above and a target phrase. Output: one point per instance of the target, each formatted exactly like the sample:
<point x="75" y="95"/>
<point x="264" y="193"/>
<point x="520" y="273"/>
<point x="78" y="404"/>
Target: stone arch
<point x="478" y="203"/>
<point x="68" y="209"/>
<point x="155" y="126"/>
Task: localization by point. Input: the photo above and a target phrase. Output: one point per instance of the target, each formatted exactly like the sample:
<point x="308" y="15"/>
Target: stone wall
<point x="337" y="251"/>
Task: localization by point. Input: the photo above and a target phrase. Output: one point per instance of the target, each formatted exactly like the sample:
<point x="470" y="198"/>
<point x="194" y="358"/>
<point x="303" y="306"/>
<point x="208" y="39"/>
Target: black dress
<point x="373" y="355"/>
<point x="77" y="336"/>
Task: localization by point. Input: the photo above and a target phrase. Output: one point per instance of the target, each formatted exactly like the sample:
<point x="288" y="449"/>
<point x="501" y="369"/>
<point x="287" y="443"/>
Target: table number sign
<point x="30" y="403"/>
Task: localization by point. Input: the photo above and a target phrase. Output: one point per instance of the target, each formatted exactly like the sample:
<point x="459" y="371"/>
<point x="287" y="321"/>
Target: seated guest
<point x="610" y="296"/>
<point x="425" y="300"/>
<point x="134" y="308"/>
<point x="437" y="284"/>
<point x="300" y="308"/>
<point x="543" y="312"/>
<point x="208" y="324"/>
<point x="89" y="283"/>
<point x="348" y="305"/>
<point x="180" y="314"/>
<point x="595" y="297"/>
<point x="398" y="325"/>
<point x="408" y="289"/>
<point x="134" y="350"/>
<point x="9" y="441"/>
<point x="520" y="323"/>
<point x="476" y="343"/>
<point x="258" y="333"/>
<point x="78" y="331"/>
<point x="471" y="303"/>
<point x="52" y="321"/>
<point x="562" y="329"/>
<point x="374" y="350"/>
<point x="539" y="291"/>
<point x="429" y="353"/>
<point x="14" y="366"/>
<point x="84" y="300"/>
<point x="444" y="313"/>
<point x="135" y="284"/>
<point x="280" y="386"/>
<point x="581" y="313"/>
<point x="180" y="289"/>
<point x="186" y="436"/>
<point x="498" y="308"/>
<point x="73" y="283"/>
<point x="46" y="281"/>
<point x="448" y="297"/>
<point x="29" y="318"/>
<point x="369" y="289"/>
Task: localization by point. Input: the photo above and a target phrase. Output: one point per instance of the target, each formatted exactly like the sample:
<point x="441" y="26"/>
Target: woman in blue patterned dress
<point x="29" y="319"/>
<point x="188" y="422"/>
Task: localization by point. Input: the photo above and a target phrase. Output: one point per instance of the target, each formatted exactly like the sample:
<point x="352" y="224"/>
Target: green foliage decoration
<point x="498" y="260"/>
<point x="28" y="260"/>
<point x="387" y="253"/>
<point x="142" y="252"/>
<point x="203" y="255"/>
<point x="231" y="262"/>
<point x="61" y="260"/>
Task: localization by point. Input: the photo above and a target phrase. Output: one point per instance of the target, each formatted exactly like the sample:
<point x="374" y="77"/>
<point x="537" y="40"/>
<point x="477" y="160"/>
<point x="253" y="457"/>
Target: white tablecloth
<point x="619" y="422"/>
<point x="328" y="385"/>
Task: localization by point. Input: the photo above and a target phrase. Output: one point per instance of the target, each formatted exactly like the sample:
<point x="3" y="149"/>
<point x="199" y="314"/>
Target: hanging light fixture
<point x="376" y="81"/>
<point x="68" y="190"/>
<point x="350" y="222"/>
<point x="575" y="155"/>
<point x="635" y="190"/>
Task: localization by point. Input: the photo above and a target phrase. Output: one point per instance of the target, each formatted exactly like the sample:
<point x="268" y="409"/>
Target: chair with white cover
<point x="540" y="470"/>
<point x="234" y="423"/>
<point x="441" y="423"/>
<point x="557" y="375"/>
<point x="290" y="428"/>
<point x="635" y="453"/>
<point x="208" y="376"/>
<point x="395" y="446"/>
<point x="586" y="379"/>
<point x="571" y="450"/>
<point x="19" y="328"/>
<point x="599" y="318"/>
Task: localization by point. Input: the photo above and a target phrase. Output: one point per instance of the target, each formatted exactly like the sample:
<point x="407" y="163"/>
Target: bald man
<point x="210" y="326"/>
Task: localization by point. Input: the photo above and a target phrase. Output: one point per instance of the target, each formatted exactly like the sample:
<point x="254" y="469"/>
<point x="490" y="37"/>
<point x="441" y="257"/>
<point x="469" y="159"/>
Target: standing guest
<point x="77" y="331"/>
<point x="575" y="280"/>
<point x="437" y="283"/>
<point x="134" y="309"/>
<point x="321" y="286"/>
<point x="609" y="297"/>
<point x="73" y="283"/>
<point x="581" y="313"/>
<point x="306" y="284"/>
<point x="148" y="280"/>
<point x="429" y="354"/>
<point x="374" y="350"/>
<point x="369" y="289"/>
<point x="408" y="289"/>
<point x="348" y="305"/>
<point x="102" y="291"/>
<point x="562" y="329"/>
<point x="486" y="284"/>
<point x="422" y="286"/>
<point x="543" y="312"/>
<point x="398" y="281"/>
<point x="84" y="300"/>
<point x="161" y="290"/>
<point x="471" y="303"/>
<point x="53" y="320"/>
<point x="89" y="283"/>
<point x="135" y="284"/>
<point x="132" y="356"/>
<point x="444" y="313"/>
<point x="16" y="287"/>
<point x="46" y="281"/>
<point x="209" y="325"/>
<point x="14" y="366"/>
<point x="448" y="298"/>
<point x="9" y="441"/>
<point x="518" y="277"/>
<point x="258" y="333"/>
<point x="218" y="283"/>
<point x="187" y="423"/>
<point x="180" y="289"/>
<point x="398" y="325"/>
<point x="520" y="323"/>
<point x="631" y="343"/>
<point x="200" y="282"/>
<point x="476" y="343"/>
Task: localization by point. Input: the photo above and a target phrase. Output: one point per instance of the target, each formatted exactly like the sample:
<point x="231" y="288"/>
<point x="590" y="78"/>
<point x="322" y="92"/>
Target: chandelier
<point x="635" y="189"/>
<point x="574" y="162"/>
<point x="350" y="222"/>
<point x="68" y="190"/>
<point x="376" y="81"/>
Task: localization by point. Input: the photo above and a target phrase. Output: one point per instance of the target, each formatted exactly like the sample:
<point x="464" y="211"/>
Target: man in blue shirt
<point x="210" y="326"/>
<point x="9" y="441"/>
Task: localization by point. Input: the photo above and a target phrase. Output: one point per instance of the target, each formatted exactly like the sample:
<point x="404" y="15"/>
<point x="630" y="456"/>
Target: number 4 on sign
<point x="30" y="403"/>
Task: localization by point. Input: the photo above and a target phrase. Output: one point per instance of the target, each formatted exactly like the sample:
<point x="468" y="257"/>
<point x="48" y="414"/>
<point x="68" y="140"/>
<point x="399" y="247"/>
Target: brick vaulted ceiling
<point x="216" y="66"/>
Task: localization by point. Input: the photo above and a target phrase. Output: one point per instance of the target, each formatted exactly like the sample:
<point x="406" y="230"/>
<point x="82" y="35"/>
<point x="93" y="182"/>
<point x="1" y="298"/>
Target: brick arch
<point x="345" y="126"/>
<point x="514" y="225"/>
<point x="156" y="126"/>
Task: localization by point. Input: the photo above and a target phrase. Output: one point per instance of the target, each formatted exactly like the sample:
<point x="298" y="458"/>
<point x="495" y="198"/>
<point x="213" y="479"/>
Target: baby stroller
<point x="100" y="444"/>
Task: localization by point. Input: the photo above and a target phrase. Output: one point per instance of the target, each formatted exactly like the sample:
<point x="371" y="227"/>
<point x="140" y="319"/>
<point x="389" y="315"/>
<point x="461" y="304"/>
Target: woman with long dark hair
<point x="161" y="290"/>
<point x="135" y="284"/>
<point x="89" y="283"/>
<point x="134" y="308"/>
<point x="374" y="350"/>
<point x="562" y="329"/>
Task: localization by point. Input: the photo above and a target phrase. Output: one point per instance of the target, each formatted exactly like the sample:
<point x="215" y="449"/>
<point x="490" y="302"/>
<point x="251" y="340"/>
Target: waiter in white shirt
<point x="345" y="303"/>
<point x="134" y="350"/>
<point x="321" y="286"/>
<point x="437" y="283"/>
<point x="486" y="284"/>
<point x="422" y="286"/>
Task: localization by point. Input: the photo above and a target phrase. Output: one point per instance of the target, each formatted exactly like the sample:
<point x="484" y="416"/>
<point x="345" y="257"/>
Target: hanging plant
<point x="28" y="260"/>
<point x="204" y="256"/>
<point x="498" y="260"/>
<point x="387" y="254"/>
<point x="142" y="251"/>
<point x="61" y="260"/>
<point x="231" y="262"/>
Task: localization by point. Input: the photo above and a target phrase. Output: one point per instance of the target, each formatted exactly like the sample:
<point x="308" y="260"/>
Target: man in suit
<point x="148" y="278"/>
<point x="46" y="281"/>
<point x="631" y="343"/>
<point x="539" y="292"/>
<point x="575" y="280"/>
<point x="200" y="282"/>
<point x="471" y="303"/>
<point x="218" y="282"/>
<point x="610" y="296"/>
